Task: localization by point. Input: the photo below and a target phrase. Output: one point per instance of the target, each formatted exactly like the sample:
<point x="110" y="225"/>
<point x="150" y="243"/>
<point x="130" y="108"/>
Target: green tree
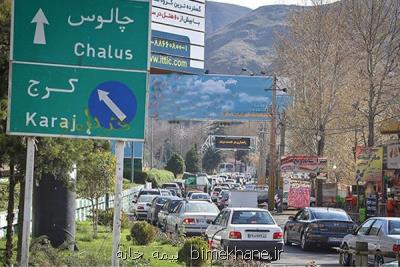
<point x="192" y="160"/>
<point x="176" y="165"/>
<point x="211" y="160"/>
<point x="96" y="178"/>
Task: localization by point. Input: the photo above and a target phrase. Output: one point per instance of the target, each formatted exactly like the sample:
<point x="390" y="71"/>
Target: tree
<point x="192" y="160"/>
<point x="373" y="34"/>
<point x="175" y="164"/>
<point x="211" y="160"/>
<point x="96" y="176"/>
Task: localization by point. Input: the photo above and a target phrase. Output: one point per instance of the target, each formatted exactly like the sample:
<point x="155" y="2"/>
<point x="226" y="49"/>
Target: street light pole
<point x="272" y="151"/>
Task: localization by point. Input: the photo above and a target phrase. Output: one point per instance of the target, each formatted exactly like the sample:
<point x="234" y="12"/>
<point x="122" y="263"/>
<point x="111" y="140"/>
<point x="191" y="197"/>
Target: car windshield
<point x="394" y="227"/>
<point x="166" y="193"/>
<point x="217" y="189"/>
<point x="199" y="196"/>
<point x="201" y="207"/>
<point x="146" y="198"/>
<point x="251" y="217"/>
<point x="331" y="215"/>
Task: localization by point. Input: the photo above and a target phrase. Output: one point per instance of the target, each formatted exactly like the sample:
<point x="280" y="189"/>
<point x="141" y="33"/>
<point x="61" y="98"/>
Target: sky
<point x="257" y="3"/>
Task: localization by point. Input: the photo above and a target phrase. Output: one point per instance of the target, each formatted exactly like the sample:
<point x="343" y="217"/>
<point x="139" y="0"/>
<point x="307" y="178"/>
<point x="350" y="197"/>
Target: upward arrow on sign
<point x="40" y="19"/>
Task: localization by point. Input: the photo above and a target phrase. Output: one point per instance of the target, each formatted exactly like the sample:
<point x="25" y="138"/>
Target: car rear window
<point x="174" y="203"/>
<point x="331" y="215"/>
<point x="225" y="193"/>
<point x="169" y="186"/>
<point x="201" y="207"/>
<point x="199" y="196"/>
<point x="154" y="192"/>
<point x="217" y="189"/>
<point x="394" y="227"/>
<point x="252" y="217"/>
<point x="161" y="200"/>
<point x="146" y="198"/>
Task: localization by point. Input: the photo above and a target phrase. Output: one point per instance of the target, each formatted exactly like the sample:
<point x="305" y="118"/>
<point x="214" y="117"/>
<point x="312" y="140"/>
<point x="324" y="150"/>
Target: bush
<point x="159" y="177"/>
<point x="142" y="233"/>
<point x="191" y="245"/>
<point x="106" y="217"/>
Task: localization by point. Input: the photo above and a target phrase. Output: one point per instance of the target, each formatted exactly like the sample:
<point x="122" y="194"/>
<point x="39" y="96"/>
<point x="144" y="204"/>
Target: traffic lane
<point x="295" y="256"/>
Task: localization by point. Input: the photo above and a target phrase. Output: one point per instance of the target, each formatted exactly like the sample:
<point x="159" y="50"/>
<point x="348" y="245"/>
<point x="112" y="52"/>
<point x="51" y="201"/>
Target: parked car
<point x="166" y="209"/>
<point x="191" y="217"/>
<point x="318" y="226"/>
<point x="140" y="206"/>
<point x="174" y="186"/>
<point x="200" y="196"/>
<point x="223" y="199"/>
<point x="146" y="192"/>
<point x="244" y="229"/>
<point x="382" y="235"/>
<point x="155" y="207"/>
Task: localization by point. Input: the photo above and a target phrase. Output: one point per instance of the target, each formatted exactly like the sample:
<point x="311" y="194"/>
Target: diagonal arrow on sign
<point x="40" y="19"/>
<point x="103" y="96"/>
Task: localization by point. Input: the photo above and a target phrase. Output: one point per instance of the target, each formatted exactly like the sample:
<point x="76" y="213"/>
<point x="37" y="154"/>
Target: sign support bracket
<point x="26" y="225"/>
<point x="119" y="153"/>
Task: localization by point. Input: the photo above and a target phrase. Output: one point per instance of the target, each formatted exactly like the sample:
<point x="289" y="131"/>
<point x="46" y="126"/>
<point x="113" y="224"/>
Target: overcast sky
<point x="257" y="3"/>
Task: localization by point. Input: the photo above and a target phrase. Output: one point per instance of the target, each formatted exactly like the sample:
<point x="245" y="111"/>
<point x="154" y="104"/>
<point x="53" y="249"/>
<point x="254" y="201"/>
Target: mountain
<point x="247" y="42"/>
<point x="219" y="14"/>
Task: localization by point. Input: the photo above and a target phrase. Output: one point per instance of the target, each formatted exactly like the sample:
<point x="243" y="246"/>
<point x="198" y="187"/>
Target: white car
<point x="142" y="205"/>
<point x="249" y="230"/>
<point x="382" y="235"/>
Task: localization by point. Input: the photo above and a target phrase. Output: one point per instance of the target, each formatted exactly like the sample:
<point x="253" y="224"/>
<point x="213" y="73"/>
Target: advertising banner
<point x="212" y="97"/>
<point x="178" y="29"/>
<point x="299" y="194"/>
<point x="369" y="163"/>
<point x="393" y="156"/>
<point x="225" y="142"/>
<point x="303" y="163"/>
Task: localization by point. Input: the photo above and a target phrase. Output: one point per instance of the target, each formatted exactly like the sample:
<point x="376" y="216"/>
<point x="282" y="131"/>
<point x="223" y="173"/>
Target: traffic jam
<point x="229" y="211"/>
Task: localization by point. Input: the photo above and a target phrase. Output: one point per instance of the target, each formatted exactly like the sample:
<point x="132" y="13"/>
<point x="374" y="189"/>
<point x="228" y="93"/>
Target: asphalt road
<point x="295" y="256"/>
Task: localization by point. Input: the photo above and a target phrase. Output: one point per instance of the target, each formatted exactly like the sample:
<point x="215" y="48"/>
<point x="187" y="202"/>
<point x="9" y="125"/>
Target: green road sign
<point x="79" y="68"/>
<point x="75" y="102"/>
<point x="106" y="33"/>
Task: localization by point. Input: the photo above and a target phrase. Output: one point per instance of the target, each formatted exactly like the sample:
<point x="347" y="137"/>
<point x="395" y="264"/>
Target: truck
<point x="197" y="183"/>
<point x="243" y="199"/>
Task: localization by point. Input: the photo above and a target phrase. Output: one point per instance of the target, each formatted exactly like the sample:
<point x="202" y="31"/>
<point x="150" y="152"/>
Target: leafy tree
<point x="192" y="160"/>
<point x="211" y="160"/>
<point x="96" y="176"/>
<point x="175" y="164"/>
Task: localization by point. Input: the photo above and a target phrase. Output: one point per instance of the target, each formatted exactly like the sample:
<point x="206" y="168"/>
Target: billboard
<point x="226" y="142"/>
<point x="178" y="29"/>
<point x="393" y="156"/>
<point x="369" y="163"/>
<point x="304" y="164"/>
<point x="212" y="97"/>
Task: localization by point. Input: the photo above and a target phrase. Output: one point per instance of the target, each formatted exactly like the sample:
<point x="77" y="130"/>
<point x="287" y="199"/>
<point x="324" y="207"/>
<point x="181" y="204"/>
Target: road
<point x="295" y="256"/>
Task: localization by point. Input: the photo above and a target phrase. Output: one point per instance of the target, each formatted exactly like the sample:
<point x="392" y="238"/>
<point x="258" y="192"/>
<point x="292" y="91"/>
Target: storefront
<point x="391" y="178"/>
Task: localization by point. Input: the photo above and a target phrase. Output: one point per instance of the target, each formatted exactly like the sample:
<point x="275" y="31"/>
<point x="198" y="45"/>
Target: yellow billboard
<point x="369" y="163"/>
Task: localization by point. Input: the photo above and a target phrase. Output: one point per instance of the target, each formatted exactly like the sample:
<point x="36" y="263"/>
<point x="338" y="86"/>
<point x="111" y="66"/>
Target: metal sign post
<point x="119" y="153"/>
<point x="26" y="226"/>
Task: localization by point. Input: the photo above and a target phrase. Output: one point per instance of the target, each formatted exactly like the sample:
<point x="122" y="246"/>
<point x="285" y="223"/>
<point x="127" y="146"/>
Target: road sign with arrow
<point x="79" y="68"/>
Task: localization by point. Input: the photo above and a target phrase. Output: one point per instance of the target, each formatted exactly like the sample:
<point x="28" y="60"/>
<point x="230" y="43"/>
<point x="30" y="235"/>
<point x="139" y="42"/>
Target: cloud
<point x="204" y="97"/>
<point x="243" y="97"/>
<point x="211" y="87"/>
<point x="230" y="81"/>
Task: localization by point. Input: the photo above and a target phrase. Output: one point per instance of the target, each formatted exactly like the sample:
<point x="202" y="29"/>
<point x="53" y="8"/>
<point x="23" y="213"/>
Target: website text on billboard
<point x="165" y="60"/>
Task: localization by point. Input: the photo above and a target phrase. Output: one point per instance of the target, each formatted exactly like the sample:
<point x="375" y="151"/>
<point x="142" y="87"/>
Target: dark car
<point x="168" y="207"/>
<point x="155" y="206"/>
<point x="318" y="226"/>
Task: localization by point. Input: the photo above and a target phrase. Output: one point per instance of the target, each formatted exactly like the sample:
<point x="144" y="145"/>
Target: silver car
<point x="382" y="235"/>
<point x="141" y="207"/>
<point x="191" y="217"/>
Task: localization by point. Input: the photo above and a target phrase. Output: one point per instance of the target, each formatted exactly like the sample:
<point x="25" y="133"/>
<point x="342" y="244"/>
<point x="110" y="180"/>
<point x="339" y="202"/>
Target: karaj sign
<point x="79" y="69"/>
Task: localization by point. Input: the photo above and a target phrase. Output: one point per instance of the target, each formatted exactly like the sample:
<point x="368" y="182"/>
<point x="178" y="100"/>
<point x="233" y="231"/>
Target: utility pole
<point x="262" y="162"/>
<point x="152" y="141"/>
<point x="272" y="150"/>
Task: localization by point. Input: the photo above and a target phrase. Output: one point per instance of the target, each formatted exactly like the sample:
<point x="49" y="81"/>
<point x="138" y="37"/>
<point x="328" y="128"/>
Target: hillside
<point x="247" y="42"/>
